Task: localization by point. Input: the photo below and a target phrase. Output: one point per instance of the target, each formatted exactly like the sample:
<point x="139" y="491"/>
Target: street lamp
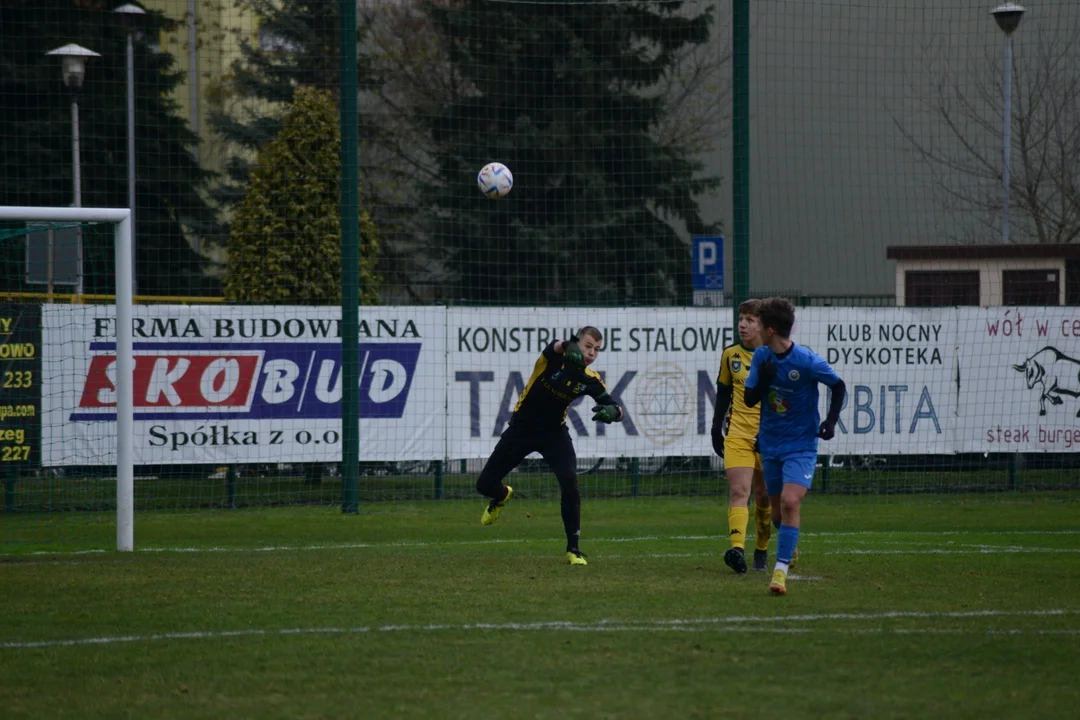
<point x="1008" y="18"/>
<point x="130" y="17"/>
<point x="73" y="69"/>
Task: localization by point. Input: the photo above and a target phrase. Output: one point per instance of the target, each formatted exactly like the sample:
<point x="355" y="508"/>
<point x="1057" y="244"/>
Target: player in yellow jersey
<point x="734" y="433"/>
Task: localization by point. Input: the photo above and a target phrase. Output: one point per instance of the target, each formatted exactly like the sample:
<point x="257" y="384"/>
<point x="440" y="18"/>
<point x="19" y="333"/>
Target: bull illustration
<point x="1055" y="372"/>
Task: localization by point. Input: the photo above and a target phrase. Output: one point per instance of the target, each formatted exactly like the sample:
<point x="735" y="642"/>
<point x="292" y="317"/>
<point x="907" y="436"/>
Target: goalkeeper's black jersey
<point x="553" y="385"/>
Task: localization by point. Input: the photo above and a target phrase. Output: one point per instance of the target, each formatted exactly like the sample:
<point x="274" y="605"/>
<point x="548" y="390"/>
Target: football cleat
<point x="491" y="512"/>
<point x="576" y="557"/>
<point x="735" y="558"/>
<point x="778" y="586"/>
<point x="761" y="559"/>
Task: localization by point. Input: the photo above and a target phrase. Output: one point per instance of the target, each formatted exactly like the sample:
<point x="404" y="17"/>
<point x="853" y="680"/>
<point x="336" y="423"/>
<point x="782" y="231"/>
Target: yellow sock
<point x="737" y="517"/>
<point x="762" y="527"/>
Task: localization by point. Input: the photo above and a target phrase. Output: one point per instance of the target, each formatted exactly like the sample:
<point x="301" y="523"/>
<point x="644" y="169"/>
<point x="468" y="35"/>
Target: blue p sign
<point x="708" y="262"/>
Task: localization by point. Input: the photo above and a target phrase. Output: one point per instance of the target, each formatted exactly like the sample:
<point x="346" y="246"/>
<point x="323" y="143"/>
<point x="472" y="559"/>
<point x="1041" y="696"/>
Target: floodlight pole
<point x="131" y="144"/>
<point x="1008" y="18"/>
<point x="73" y="70"/>
<point x="1006" y="140"/>
<point x="130" y="15"/>
<point x="76" y="180"/>
<point x="76" y="171"/>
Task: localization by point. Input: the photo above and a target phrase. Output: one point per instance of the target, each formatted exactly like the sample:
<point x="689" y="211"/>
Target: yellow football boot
<point x="576" y="557"/>
<point x="491" y="512"/>
<point x="778" y="586"/>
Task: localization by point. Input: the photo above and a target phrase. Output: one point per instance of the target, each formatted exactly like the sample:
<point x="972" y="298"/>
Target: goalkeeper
<point x="561" y="375"/>
<point x="734" y="430"/>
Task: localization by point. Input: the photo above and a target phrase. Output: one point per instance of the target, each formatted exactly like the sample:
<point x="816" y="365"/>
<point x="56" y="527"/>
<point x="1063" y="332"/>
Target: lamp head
<point x="130" y="16"/>
<point x="73" y="63"/>
<point x="1008" y="16"/>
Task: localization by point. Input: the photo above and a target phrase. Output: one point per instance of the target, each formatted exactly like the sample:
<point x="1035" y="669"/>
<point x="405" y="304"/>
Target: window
<point x="1031" y="287"/>
<point x="936" y="288"/>
<point x="1072" y="282"/>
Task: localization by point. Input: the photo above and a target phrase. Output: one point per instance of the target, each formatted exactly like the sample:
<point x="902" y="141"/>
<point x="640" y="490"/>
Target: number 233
<point x="18" y="379"/>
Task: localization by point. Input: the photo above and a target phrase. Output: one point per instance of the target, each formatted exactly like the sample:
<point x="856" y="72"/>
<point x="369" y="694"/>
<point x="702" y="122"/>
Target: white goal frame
<point x="125" y="360"/>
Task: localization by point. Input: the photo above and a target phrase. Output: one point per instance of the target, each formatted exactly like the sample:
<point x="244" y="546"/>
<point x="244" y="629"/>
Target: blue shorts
<point x="797" y="469"/>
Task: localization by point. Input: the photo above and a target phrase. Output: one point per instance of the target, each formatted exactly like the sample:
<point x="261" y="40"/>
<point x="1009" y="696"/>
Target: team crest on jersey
<point x="736" y="365"/>
<point x="556" y="375"/>
<point x="777" y="402"/>
<point x="793" y="375"/>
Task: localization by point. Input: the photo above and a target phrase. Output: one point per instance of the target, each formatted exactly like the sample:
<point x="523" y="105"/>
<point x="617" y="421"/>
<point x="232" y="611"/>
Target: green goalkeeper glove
<point x="572" y="352"/>
<point x="605" y="413"/>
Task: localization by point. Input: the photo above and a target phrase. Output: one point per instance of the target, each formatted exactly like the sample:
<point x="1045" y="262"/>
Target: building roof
<point x="981" y="252"/>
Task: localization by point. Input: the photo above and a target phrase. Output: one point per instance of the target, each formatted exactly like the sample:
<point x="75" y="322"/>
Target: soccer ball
<point x="495" y="180"/>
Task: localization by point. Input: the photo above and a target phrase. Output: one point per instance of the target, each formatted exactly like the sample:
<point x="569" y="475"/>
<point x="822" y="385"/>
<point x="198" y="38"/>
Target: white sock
<point x="781" y="566"/>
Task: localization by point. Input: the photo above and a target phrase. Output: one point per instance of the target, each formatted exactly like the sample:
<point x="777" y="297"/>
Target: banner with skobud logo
<point x="215" y="384"/>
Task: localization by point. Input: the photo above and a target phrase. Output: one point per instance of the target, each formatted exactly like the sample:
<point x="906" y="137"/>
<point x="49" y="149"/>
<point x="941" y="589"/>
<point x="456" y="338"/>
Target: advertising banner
<point x="899" y="366"/>
<point x="218" y="384"/>
<point x="20" y="386"/>
<point x="1020" y="386"/>
<point x="659" y="364"/>
<point x="236" y="384"/>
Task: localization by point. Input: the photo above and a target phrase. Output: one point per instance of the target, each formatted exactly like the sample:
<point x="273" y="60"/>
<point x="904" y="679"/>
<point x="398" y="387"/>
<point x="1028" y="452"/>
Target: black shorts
<point x="516" y="443"/>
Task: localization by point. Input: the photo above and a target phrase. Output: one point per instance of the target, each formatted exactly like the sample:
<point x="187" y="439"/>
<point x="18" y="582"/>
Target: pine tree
<point x="35" y="141"/>
<point x="560" y="92"/>
<point x="298" y="47"/>
<point x="285" y="239"/>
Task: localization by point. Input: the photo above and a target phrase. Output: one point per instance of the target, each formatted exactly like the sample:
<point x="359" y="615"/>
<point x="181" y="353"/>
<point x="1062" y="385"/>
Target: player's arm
<point x="606" y="409"/>
<point x="725" y="387"/>
<point x="762" y="372"/>
<point x="824" y="374"/>
<point x="723" y="401"/>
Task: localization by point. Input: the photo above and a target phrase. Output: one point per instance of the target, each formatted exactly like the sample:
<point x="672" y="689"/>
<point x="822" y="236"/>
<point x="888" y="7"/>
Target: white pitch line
<point x="974" y="550"/>
<point x="846" y="533"/>
<point x="531" y="541"/>
<point x="634" y="539"/>
<point x="735" y="623"/>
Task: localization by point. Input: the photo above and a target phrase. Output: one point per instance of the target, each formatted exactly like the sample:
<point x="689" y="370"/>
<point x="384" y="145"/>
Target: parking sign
<point x="708" y="262"/>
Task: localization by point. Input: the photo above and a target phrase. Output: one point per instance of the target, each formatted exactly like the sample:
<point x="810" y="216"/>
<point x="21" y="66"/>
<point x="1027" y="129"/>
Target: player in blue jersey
<point x="785" y="377"/>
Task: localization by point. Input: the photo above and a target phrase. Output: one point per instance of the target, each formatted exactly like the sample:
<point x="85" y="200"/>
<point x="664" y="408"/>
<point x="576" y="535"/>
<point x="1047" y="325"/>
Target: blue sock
<point x="786" y="541"/>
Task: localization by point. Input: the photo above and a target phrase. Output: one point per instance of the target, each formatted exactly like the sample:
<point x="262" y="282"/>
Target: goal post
<point x="125" y="416"/>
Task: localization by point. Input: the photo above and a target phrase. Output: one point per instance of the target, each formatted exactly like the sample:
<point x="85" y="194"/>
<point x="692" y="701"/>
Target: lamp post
<point x="73" y="68"/>
<point x="130" y="17"/>
<point x="1008" y="18"/>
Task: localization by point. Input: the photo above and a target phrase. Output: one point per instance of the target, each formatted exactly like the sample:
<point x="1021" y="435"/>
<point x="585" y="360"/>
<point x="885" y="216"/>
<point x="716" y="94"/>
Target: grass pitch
<point x="958" y="606"/>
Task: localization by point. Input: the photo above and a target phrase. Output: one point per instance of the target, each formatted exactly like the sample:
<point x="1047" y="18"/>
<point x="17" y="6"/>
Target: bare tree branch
<point x="1045" y="147"/>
